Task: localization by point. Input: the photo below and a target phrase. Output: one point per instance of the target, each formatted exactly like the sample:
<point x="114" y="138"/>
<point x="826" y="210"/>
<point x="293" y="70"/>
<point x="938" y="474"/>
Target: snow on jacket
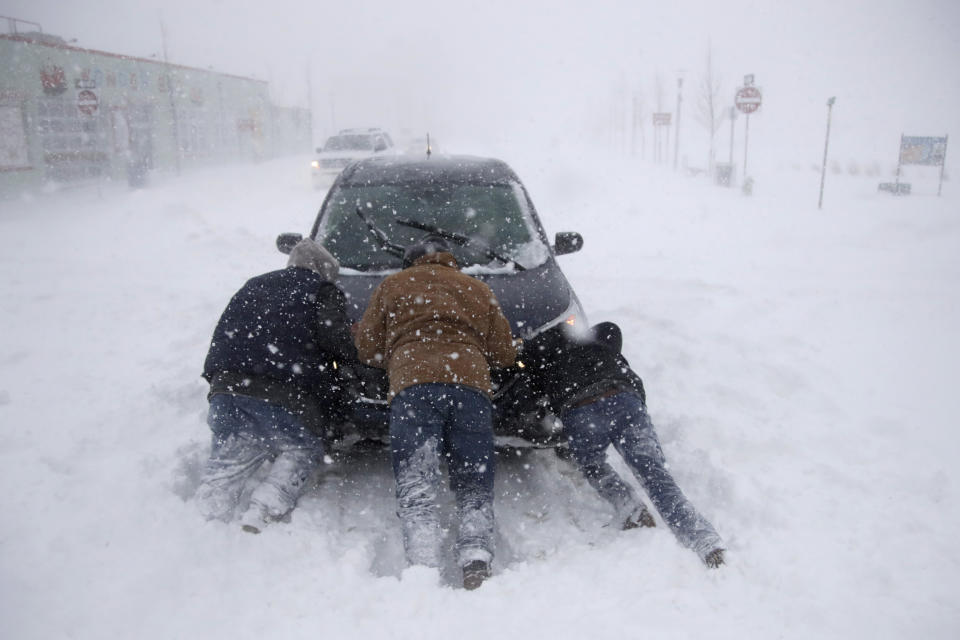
<point x="278" y="339"/>
<point x="430" y="323"/>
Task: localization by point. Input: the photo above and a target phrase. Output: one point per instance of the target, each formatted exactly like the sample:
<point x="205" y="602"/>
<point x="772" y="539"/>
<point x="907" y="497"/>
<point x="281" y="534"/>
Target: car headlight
<point x="315" y="164"/>
<point x="573" y="316"/>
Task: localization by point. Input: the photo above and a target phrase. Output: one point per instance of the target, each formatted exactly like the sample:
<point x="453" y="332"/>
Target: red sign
<point x="748" y="99"/>
<point x="87" y="102"/>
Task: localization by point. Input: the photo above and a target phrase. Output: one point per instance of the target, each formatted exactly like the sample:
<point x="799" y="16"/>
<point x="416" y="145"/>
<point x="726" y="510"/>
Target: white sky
<point x="543" y="70"/>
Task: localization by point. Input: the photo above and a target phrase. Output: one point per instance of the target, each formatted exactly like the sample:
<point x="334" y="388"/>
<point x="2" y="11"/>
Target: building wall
<point x="71" y="115"/>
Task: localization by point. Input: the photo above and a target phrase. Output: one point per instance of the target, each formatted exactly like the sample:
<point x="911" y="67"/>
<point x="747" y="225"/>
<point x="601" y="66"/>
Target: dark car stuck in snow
<point x="379" y="205"/>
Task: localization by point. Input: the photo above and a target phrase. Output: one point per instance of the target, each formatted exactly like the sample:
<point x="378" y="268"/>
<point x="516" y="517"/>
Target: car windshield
<point x="349" y="143"/>
<point x="495" y="216"/>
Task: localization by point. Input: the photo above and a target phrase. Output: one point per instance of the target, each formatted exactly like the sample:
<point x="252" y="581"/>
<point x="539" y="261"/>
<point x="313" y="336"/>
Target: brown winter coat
<point x="432" y="323"/>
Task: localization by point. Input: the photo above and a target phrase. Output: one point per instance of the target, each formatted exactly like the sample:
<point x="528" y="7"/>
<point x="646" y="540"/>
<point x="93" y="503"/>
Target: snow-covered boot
<point x="641" y="517"/>
<point x="474" y="573"/>
<point x="255" y="518"/>
<point x="714" y="559"/>
<point x="423" y="542"/>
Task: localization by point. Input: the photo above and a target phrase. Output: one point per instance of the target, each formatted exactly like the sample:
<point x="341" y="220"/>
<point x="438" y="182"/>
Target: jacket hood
<point x="310" y="255"/>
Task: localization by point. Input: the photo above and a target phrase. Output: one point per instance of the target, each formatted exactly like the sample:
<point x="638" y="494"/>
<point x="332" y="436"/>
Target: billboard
<point x="923" y="150"/>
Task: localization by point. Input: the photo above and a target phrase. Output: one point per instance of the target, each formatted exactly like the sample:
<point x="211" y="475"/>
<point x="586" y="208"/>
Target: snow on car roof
<point x="405" y="169"/>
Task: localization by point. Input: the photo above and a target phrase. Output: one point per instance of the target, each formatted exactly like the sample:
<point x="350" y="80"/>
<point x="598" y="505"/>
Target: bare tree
<point x="709" y="111"/>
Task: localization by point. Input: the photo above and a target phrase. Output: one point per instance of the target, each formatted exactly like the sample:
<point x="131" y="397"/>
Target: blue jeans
<point x="622" y="420"/>
<point x="246" y="433"/>
<point x="427" y="422"/>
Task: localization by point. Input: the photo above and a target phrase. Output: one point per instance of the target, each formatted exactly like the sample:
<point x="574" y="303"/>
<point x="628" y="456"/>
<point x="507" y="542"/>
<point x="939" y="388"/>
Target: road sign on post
<point x="661" y="121"/>
<point x="87" y="102"/>
<point x="747" y="100"/>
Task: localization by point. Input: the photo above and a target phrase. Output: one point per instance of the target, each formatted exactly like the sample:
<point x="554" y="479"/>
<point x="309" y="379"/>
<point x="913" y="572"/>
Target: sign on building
<point x="87" y="102"/>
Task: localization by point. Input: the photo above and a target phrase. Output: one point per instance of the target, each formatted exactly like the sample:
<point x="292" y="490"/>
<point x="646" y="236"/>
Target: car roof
<point x="408" y="169"/>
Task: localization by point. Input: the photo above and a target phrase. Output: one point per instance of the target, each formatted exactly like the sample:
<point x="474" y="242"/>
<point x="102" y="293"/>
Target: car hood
<point x="529" y="299"/>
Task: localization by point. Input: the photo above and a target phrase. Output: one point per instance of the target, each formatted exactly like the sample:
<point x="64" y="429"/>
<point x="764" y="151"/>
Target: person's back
<point x="269" y="331"/>
<point x="437" y="332"/>
<point x="432" y="323"/>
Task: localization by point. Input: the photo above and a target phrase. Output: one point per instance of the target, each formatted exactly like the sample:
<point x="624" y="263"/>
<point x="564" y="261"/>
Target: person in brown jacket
<point x="437" y="331"/>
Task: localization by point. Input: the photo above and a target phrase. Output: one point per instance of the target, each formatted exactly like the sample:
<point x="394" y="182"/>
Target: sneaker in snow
<point x="474" y="573"/>
<point x="639" y="518"/>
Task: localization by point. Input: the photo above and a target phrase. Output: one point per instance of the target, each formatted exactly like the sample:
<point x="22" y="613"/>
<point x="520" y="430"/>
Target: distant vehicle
<point x="379" y="205"/>
<point x="345" y="147"/>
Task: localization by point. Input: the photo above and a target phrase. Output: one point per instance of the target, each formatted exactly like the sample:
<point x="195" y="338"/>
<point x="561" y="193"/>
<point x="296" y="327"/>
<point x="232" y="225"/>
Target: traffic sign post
<point x="87" y="102"/>
<point x="747" y="100"/>
<point x="661" y="122"/>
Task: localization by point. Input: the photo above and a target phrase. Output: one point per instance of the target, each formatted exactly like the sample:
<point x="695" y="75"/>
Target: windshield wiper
<point x="390" y="247"/>
<point x="461" y="240"/>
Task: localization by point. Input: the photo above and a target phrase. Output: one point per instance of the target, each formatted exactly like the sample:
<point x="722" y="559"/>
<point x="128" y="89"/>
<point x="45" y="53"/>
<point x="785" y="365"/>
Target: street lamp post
<point x="676" y="135"/>
<point x="826" y="145"/>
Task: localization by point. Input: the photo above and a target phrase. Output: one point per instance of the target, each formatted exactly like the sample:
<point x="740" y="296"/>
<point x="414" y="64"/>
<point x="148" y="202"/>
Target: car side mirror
<point x="381" y="146"/>
<point x="567" y="242"/>
<point x="287" y="241"/>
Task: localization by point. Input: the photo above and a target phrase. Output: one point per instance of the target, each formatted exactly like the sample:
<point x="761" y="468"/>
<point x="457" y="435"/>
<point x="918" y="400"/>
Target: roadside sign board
<point x="748" y="99"/>
<point x="923" y="150"/>
<point x="661" y="119"/>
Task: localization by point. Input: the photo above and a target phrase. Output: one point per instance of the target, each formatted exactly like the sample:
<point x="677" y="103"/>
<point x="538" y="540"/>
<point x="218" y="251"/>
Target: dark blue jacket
<point x="280" y="336"/>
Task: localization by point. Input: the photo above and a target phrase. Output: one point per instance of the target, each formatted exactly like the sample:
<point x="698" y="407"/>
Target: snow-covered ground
<point x="799" y="365"/>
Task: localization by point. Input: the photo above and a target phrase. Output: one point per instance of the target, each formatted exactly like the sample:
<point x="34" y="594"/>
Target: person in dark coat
<point x="437" y="331"/>
<point x="272" y="368"/>
<point x="600" y="400"/>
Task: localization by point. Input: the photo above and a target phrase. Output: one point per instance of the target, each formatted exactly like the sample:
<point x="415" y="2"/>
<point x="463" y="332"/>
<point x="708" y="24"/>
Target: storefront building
<point x="70" y="115"/>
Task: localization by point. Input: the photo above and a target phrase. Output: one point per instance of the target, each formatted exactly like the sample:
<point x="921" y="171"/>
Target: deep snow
<point x="799" y="366"/>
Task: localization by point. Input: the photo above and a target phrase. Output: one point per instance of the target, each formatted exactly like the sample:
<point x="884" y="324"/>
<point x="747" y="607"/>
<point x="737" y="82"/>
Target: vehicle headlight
<point x="573" y="316"/>
<point x="315" y="164"/>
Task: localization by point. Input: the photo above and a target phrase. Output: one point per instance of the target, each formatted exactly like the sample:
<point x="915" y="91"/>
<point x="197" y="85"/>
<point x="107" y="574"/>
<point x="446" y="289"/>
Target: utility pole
<point x="746" y="143"/>
<point x="733" y="117"/>
<point x="310" y="99"/>
<point x="676" y="135"/>
<point x="173" y="105"/>
<point x="826" y="145"/>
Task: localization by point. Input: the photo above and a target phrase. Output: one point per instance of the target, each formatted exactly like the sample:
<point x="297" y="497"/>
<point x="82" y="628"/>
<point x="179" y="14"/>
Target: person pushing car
<point x="437" y="332"/>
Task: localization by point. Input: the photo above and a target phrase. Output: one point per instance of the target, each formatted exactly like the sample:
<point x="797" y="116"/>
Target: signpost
<point x="747" y="100"/>
<point x="922" y="150"/>
<point x="87" y="102"/>
<point x="676" y="134"/>
<point x="661" y="121"/>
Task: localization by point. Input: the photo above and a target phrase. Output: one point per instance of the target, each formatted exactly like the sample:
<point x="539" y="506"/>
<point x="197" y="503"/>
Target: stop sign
<point x="748" y="99"/>
<point x="87" y="102"/>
